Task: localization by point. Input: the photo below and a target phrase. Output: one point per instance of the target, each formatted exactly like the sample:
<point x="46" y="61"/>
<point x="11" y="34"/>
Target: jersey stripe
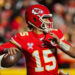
<point x="15" y="43"/>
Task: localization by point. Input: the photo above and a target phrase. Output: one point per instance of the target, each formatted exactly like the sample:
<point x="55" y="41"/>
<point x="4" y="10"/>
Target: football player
<point x="40" y="44"/>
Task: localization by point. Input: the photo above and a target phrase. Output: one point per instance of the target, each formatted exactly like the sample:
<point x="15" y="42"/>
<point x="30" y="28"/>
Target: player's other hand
<point x="55" y="38"/>
<point x="12" y="50"/>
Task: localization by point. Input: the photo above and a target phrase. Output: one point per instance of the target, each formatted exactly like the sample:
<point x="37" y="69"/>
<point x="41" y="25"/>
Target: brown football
<point x="10" y="60"/>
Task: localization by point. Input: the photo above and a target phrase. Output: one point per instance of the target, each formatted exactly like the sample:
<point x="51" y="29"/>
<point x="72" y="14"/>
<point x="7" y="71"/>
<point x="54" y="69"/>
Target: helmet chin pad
<point x="47" y="30"/>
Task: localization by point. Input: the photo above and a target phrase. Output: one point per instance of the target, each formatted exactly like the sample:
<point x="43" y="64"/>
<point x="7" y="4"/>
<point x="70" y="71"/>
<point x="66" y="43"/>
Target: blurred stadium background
<point x="12" y="20"/>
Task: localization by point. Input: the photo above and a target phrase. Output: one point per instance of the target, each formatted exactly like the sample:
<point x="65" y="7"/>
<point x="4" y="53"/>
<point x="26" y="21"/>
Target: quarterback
<point x="40" y="44"/>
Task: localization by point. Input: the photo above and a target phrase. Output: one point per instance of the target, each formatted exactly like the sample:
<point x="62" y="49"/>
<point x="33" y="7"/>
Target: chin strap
<point x="47" y="30"/>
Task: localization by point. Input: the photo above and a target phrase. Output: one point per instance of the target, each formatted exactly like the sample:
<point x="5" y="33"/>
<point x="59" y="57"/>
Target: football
<point x="10" y="60"/>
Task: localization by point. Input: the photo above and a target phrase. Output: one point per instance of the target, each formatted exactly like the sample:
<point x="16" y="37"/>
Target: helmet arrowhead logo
<point x="37" y="11"/>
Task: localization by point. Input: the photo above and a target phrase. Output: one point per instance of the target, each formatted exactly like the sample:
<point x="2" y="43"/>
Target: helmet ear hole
<point x="34" y="19"/>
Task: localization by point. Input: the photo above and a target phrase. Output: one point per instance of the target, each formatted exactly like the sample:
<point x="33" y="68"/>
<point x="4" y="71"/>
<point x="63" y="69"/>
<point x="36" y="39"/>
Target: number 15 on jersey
<point x="47" y="59"/>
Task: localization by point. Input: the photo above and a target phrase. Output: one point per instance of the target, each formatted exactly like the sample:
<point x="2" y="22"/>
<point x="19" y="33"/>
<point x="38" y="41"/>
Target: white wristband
<point x="64" y="46"/>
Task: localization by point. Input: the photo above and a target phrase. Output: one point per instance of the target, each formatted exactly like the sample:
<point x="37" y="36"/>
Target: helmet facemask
<point x="46" y="26"/>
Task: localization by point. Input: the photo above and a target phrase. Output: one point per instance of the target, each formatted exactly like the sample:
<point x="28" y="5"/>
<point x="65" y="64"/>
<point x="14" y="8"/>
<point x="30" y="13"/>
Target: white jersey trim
<point x="15" y="43"/>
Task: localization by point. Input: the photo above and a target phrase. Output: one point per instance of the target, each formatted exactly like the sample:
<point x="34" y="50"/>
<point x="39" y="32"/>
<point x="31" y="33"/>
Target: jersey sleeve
<point x="61" y="37"/>
<point x="17" y="40"/>
<point x="59" y="34"/>
<point x="5" y="46"/>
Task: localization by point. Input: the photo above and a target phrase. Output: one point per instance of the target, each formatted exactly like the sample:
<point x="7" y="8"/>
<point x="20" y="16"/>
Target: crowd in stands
<point x="12" y="20"/>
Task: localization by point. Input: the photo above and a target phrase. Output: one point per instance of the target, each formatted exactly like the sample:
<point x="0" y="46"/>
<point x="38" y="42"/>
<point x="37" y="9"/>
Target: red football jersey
<point x="39" y="52"/>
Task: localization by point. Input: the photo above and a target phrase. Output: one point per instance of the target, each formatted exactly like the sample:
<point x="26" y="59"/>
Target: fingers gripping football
<point x="11" y="58"/>
<point x="12" y="50"/>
